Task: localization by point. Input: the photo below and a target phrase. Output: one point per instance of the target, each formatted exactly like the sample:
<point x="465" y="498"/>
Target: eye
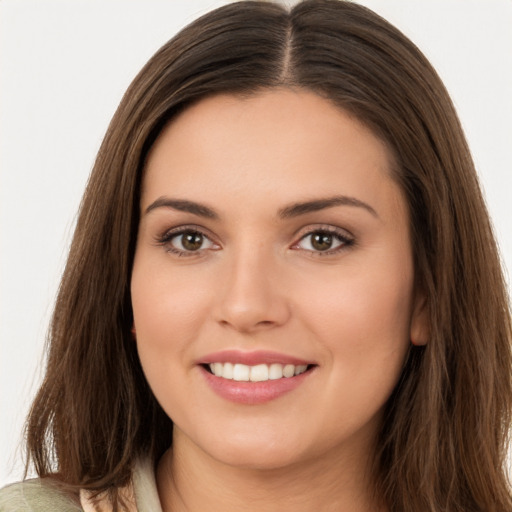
<point x="323" y="241"/>
<point x="186" y="241"/>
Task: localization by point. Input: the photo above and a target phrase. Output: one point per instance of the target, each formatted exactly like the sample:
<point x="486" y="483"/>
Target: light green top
<point x="38" y="495"/>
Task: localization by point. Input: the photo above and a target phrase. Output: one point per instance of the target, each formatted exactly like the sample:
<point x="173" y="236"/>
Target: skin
<point x="257" y="283"/>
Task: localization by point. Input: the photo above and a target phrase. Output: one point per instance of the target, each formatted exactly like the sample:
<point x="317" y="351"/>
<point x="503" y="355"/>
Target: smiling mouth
<point x="257" y="373"/>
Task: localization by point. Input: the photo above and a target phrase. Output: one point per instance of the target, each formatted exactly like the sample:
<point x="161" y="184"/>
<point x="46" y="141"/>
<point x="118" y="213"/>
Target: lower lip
<point x="253" y="393"/>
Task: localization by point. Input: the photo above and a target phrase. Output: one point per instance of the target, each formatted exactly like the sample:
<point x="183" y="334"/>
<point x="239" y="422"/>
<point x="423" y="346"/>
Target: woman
<point x="283" y="290"/>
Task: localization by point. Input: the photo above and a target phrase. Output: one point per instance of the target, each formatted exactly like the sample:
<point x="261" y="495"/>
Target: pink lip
<point x="251" y="358"/>
<point x="253" y="393"/>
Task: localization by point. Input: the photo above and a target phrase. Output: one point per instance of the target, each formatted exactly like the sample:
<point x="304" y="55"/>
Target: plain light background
<point x="64" y="66"/>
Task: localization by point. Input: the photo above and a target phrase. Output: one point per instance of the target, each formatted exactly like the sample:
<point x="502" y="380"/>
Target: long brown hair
<point x="443" y="443"/>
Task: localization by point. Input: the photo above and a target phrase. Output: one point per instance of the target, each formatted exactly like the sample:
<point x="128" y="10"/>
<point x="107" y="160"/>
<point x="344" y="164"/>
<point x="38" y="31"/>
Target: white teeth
<point x="289" y="370"/>
<point x="241" y="372"/>
<point x="275" y="371"/>
<point x="301" y="368"/>
<point x="227" y="370"/>
<point x="217" y="368"/>
<point x="257" y="373"/>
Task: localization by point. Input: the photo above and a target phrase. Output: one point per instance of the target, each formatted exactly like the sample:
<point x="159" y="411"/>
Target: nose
<point x="252" y="296"/>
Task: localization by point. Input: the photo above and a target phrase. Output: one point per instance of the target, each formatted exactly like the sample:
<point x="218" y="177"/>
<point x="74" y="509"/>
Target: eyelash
<point x="341" y="236"/>
<point x="168" y="236"/>
<point x="346" y="241"/>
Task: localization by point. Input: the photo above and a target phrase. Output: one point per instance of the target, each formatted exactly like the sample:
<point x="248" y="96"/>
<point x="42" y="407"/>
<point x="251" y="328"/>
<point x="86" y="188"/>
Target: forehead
<point x="292" y="114"/>
<point x="277" y="145"/>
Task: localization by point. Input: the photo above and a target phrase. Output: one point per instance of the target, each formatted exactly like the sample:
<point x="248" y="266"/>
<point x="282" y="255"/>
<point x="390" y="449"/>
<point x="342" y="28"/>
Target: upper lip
<point x="252" y="358"/>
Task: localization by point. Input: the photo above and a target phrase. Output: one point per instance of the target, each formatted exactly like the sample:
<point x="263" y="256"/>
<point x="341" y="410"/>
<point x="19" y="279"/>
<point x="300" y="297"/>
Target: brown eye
<point x="191" y="241"/>
<point x="321" y="241"/>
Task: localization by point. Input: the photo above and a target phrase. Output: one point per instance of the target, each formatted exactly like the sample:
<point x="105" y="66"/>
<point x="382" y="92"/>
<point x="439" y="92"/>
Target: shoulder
<point x="43" y="495"/>
<point x="36" y="495"/>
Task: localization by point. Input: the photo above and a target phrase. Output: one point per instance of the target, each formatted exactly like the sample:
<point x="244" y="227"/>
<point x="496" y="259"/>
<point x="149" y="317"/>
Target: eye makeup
<point x="193" y="240"/>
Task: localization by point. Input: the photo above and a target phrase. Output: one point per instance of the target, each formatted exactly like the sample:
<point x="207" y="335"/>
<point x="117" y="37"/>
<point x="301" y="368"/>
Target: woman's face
<point x="273" y="250"/>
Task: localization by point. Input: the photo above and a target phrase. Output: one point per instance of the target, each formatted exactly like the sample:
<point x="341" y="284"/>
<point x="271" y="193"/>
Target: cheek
<point x="167" y="306"/>
<point x="169" y="311"/>
<point x="361" y="302"/>
<point x="362" y="318"/>
<point x="363" y="328"/>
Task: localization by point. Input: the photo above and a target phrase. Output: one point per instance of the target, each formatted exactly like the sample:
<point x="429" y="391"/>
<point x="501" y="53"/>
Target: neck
<point x="189" y="480"/>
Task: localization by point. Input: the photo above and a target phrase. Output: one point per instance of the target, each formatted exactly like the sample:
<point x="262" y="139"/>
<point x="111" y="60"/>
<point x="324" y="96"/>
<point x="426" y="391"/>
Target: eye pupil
<point x="192" y="241"/>
<point x="321" y="241"/>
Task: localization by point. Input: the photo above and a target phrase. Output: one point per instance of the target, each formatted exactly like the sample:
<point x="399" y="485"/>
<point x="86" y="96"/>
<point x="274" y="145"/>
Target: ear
<point x="420" y="325"/>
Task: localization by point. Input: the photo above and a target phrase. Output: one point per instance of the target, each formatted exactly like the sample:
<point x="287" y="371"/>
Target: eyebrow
<point x="184" y="206"/>
<point x="315" y="205"/>
<point x="293" y="210"/>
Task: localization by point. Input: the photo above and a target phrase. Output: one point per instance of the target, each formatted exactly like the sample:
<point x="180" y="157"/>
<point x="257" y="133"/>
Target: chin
<point x="257" y="459"/>
<point x="255" y="452"/>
